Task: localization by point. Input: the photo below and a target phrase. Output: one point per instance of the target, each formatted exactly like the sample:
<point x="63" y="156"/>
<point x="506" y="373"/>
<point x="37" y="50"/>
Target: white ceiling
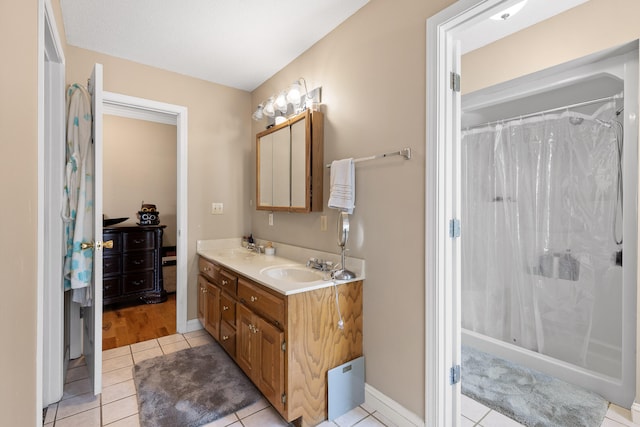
<point x="485" y="31"/>
<point x="237" y="43"/>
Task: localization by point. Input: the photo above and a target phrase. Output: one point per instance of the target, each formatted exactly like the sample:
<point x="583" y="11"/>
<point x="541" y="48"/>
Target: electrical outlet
<point x="217" y="208"/>
<point x="323" y="223"/>
<point x="270" y="219"/>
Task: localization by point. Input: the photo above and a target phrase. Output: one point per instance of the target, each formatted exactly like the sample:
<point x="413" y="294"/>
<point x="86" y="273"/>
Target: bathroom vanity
<point x="278" y="320"/>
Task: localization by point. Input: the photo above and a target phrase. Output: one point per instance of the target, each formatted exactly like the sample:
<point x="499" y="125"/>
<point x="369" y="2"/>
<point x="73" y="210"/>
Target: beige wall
<point x="372" y="70"/>
<point x="18" y="215"/>
<point x="219" y="146"/>
<point x="139" y="161"/>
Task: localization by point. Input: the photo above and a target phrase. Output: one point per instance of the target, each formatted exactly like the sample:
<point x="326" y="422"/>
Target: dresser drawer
<point x="208" y="269"/>
<point x="228" y="338"/>
<point x="137" y="282"/>
<point x="136" y="261"/>
<point x="261" y="301"/>
<point x="228" y="282"/>
<point x="228" y="309"/>
<point x="138" y="241"/>
<point x="111" y="287"/>
<point x="111" y="265"/>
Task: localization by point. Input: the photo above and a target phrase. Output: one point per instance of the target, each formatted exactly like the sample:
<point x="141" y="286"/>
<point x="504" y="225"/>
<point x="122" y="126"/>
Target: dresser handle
<point x="254" y="299"/>
<point x="138" y="241"/>
<point x="138" y="261"/>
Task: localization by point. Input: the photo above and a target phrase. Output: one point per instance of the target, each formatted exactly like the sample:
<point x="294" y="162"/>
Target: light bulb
<point x="293" y="95"/>
<point x="269" y="108"/>
<point x="281" y="103"/>
<point x="257" y="115"/>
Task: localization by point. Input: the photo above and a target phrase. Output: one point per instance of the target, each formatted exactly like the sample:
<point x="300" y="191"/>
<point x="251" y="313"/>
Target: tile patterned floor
<point x="117" y="406"/>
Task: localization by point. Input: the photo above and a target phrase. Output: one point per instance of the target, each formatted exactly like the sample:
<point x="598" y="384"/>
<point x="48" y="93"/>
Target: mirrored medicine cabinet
<point x="289" y="164"/>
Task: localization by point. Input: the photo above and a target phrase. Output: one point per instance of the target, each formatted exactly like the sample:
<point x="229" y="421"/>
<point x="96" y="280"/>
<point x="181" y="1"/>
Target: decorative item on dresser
<point x="132" y="269"/>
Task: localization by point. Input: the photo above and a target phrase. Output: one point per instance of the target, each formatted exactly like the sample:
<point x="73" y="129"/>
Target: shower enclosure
<point x="549" y="180"/>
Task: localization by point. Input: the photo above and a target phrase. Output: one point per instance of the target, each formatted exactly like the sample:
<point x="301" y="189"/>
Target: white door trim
<point x="442" y="272"/>
<point x="160" y="112"/>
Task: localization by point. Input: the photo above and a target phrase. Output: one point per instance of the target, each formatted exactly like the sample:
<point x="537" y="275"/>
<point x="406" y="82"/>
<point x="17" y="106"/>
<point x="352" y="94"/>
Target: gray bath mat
<point x="191" y="387"/>
<point x="527" y="396"/>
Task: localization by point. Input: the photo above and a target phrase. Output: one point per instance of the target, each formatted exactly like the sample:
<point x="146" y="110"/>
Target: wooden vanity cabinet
<point x="287" y="343"/>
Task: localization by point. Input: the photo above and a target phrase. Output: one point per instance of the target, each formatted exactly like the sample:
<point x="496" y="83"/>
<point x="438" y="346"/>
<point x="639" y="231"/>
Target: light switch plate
<point x="217" y="208"/>
<point x="270" y="219"/>
<point x="323" y="223"/>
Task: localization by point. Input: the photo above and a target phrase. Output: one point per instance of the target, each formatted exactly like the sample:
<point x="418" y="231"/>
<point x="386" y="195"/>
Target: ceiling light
<point x="509" y="12"/>
<point x="257" y="115"/>
<point x="281" y="103"/>
<point x="269" y="109"/>
<point x="293" y="100"/>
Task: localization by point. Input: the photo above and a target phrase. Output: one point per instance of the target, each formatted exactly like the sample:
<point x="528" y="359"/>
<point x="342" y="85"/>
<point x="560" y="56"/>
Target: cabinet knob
<point x="254" y="299"/>
<point x="204" y="291"/>
<point x="206" y="269"/>
<point x="225" y="308"/>
<point x="225" y="337"/>
<point x="224" y="282"/>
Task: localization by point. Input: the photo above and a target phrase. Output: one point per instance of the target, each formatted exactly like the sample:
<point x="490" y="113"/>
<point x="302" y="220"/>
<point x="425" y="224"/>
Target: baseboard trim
<point x="193" y="325"/>
<point x="391" y="409"/>
<point x="635" y="412"/>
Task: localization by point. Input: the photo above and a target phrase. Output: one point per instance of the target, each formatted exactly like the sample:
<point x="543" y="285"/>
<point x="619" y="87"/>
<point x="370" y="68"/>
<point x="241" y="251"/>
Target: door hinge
<point x="454" y="228"/>
<point x="283" y="346"/>
<point x="284" y="398"/>
<point x="454" y="375"/>
<point x="454" y="83"/>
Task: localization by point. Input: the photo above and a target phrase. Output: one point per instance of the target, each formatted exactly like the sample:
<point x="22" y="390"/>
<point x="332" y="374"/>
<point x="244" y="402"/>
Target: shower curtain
<point x="539" y="199"/>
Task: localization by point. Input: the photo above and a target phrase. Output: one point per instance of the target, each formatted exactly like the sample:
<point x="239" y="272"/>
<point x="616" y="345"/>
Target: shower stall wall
<point x="545" y="225"/>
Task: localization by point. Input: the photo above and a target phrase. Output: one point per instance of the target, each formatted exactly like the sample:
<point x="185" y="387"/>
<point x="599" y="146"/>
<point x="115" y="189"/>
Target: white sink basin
<point x="294" y="273"/>
<point x="235" y="253"/>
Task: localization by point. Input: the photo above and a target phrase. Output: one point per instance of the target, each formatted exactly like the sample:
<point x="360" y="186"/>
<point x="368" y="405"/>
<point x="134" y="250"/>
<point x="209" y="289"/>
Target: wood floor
<point x="128" y="325"/>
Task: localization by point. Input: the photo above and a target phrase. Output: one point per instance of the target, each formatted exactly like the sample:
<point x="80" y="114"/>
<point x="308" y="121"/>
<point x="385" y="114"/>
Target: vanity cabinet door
<point x="202" y="290"/>
<point x="269" y="377"/>
<point x="244" y="339"/>
<point x="212" y="311"/>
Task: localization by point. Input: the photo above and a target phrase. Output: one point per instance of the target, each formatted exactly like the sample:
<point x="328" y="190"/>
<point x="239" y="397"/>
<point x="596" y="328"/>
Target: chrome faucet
<point x="319" y="264"/>
<point x="252" y="247"/>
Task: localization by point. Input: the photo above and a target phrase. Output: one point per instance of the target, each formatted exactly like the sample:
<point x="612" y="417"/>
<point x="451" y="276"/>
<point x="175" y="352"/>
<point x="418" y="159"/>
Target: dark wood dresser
<point x="132" y="269"/>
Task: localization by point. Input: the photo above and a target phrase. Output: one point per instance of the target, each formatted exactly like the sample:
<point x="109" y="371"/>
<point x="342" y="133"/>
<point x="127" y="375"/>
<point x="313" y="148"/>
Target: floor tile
<point x="200" y="340"/>
<point x="495" y="419"/>
<point x="169" y="339"/>
<point x="144" y="345"/>
<point x="223" y="422"/>
<point x="147" y="354"/>
<point x="196" y="333"/>
<point x="80" y="361"/>
<point x="351" y="417"/>
<point x="472" y="409"/>
<point x="118" y="391"/>
<point x="76" y="388"/>
<point x="116" y="352"/>
<point x="267" y="417"/>
<point x="117" y="376"/>
<point x="384" y="420"/>
<point x="132" y="421"/>
<point x="620" y="414"/>
<point x="75" y="374"/>
<point x="175" y="346"/>
<point x="90" y="418"/>
<point x="258" y="406"/>
<point x="77" y="404"/>
<point x="466" y="422"/>
<point x="370" y="421"/>
<point x="119" y="409"/>
<point x="608" y="422"/>
<point x="117" y="363"/>
<point x="327" y="424"/>
<point x="51" y="413"/>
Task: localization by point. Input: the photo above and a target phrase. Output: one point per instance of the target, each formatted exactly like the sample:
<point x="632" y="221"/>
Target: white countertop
<point x="230" y="254"/>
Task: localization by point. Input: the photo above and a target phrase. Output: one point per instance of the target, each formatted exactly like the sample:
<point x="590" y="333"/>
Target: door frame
<point x="154" y="111"/>
<point x="442" y="193"/>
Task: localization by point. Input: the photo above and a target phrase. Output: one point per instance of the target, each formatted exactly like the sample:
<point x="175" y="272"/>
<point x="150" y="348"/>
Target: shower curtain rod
<point x="551" y="110"/>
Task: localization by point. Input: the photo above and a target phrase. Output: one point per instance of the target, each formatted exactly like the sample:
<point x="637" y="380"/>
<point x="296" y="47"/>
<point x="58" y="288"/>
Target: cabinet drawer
<point x="228" y="338"/>
<point x="136" y="261"/>
<point x="228" y="309"/>
<point x="261" y="301"/>
<point x="228" y="282"/>
<point x="110" y="287"/>
<point x="137" y="282"/>
<point x="208" y="269"/>
<point x="138" y="240"/>
<point x="111" y="265"/>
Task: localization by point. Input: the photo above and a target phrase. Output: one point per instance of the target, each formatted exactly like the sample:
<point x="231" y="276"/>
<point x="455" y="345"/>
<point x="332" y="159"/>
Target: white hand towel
<point x="342" y="188"/>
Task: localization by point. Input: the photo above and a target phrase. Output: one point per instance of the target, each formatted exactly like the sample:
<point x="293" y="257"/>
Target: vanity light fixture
<point x="509" y="12"/>
<point x="293" y="100"/>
